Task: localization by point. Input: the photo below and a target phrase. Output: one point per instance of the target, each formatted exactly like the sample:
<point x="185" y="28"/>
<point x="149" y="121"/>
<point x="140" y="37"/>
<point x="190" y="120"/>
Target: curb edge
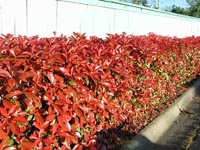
<point x="162" y="123"/>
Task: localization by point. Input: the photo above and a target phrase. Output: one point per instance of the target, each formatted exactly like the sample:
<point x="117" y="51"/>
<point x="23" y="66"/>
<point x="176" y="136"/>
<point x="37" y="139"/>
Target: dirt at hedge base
<point x="114" y="139"/>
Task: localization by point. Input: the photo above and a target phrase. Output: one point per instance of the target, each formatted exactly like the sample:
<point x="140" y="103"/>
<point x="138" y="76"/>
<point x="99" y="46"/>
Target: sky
<point x="167" y="3"/>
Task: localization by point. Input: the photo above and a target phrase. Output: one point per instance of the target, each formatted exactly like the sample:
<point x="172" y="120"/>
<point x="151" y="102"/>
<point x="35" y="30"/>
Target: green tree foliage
<point x="139" y="2"/>
<point x="192" y="2"/>
<point x="179" y="10"/>
<point x="192" y="10"/>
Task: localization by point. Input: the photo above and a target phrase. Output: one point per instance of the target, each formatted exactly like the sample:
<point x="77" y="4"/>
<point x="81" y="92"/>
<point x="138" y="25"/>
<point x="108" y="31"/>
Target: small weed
<point x="191" y="138"/>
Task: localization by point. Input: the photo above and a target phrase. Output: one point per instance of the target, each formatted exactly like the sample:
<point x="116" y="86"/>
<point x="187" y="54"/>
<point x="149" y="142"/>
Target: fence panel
<point x="93" y="17"/>
<point x="41" y="17"/>
<point x="13" y="17"/>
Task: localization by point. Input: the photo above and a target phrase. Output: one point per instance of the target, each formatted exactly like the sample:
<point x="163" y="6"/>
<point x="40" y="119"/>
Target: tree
<point x="179" y="10"/>
<point x="192" y="2"/>
<point x="140" y="2"/>
<point x="194" y="9"/>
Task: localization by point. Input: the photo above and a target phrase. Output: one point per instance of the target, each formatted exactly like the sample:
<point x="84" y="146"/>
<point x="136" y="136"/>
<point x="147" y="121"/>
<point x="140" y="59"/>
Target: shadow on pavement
<point x="197" y="87"/>
<point x="138" y="142"/>
<point x="142" y="143"/>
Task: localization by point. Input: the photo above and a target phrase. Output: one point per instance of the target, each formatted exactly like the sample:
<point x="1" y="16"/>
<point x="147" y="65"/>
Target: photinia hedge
<point x="59" y="92"/>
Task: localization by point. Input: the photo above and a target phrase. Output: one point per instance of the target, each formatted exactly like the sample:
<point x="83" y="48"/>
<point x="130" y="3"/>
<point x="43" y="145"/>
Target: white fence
<point x="93" y="17"/>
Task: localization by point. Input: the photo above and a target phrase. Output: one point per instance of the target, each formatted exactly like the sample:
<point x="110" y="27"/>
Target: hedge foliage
<point x="58" y="92"/>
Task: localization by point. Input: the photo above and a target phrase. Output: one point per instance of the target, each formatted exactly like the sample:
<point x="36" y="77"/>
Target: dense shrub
<point x="59" y="92"/>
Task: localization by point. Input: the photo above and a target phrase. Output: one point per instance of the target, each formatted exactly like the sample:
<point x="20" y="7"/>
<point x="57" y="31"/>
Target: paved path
<point x="184" y="133"/>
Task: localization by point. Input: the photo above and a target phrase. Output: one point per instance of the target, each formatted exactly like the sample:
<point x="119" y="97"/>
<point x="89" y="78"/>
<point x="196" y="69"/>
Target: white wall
<point x="13" y="16"/>
<point x="42" y="17"/>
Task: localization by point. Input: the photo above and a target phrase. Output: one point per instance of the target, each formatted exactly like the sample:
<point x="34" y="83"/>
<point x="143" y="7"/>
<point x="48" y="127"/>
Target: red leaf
<point x="14" y="128"/>
<point x="51" y="110"/>
<point x="5" y="142"/>
<point x="39" y="122"/>
<point x="67" y="142"/>
<point x="3" y="112"/>
<point x="20" y="119"/>
<point x="47" y="142"/>
<point x="63" y="121"/>
<point x="54" y="128"/>
<point x="50" y="117"/>
<point x="34" y="98"/>
<point x="12" y="94"/>
<point x="92" y="143"/>
<point x="3" y="133"/>
<point x="47" y="147"/>
<point x="4" y="73"/>
<point x="25" y="145"/>
<point x="14" y="110"/>
<point x="78" y="111"/>
<point x="78" y="147"/>
<point x="51" y="77"/>
<point x="7" y="104"/>
<point x="64" y="71"/>
<point x="70" y="92"/>
<point x="11" y="84"/>
<point x="26" y="75"/>
<point x="12" y="52"/>
<point x="54" y="47"/>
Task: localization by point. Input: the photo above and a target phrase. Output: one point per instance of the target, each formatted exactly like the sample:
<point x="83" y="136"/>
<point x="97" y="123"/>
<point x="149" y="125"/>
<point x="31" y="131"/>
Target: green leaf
<point x="98" y="120"/>
<point x="19" y="124"/>
<point x="12" y="100"/>
<point x="53" y="122"/>
<point x="122" y="104"/>
<point x="30" y="117"/>
<point x="27" y="110"/>
<point x="134" y="100"/>
<point x="79" y="130"/>
<point x="13" y="136"/>
<point x="72" y="83"/>
<point x="165" y="75"/>
<point x="11" y="142"/>
<point x="88" y="129"/>
<point x="87" y="82"/>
